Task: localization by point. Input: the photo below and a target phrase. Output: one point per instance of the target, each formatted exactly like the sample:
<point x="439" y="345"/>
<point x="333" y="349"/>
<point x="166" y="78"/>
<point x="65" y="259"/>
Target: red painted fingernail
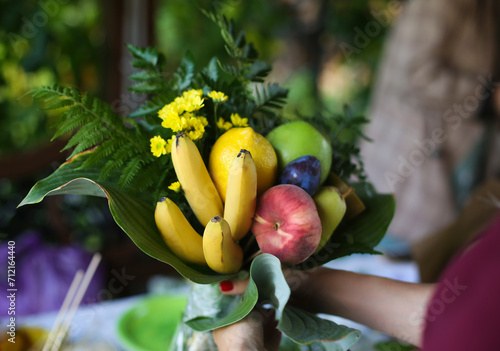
<point x="226" y="285"/>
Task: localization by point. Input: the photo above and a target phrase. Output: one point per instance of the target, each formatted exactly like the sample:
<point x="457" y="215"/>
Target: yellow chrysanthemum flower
<point x="217" y="96"/>
<point x="224" y="125"/>
<point x="175" y="186"/>
<point x="178" y="115"/>
<point x="238" y="121"/>
<point x="158" y="146"/>
<point x="196" y="128"/>
<point x="192" y="93"/>
<point x="203" y="121"/>
<point x="191" y="101"/>
<point x="168" y="112"/>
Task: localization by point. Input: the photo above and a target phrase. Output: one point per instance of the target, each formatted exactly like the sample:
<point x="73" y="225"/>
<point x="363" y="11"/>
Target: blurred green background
<point x="325" y="52"/>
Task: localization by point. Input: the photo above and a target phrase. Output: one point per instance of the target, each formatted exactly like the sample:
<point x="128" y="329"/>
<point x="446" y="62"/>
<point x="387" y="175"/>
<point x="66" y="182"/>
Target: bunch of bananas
<point x="225" y="225"/>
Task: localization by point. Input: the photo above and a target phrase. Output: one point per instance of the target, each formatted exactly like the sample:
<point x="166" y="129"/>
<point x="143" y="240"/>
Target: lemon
<point x="226" y="148"/>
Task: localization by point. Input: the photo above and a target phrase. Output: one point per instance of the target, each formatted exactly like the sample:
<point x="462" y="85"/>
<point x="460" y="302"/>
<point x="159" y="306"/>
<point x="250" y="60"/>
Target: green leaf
<point x="151" y="107"/>
<point x="288" y="344"/>
<point x="270" y="97"/>
<point x="209" y="309"/>
<point x="212" y="70"/>
<point x="268" y="276"/>
<point x="360" y="234"/>
<point x="394" y="345"/>
<point x="145" y="58"/>
<point x="185" y="73"/>
<point x="305" y="328"/>
<point x="55" y="183"/>
<point x="259" y="71"/>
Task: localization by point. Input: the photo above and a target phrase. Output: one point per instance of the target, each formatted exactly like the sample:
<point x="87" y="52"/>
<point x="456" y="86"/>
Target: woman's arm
<point x="390" y="306"/>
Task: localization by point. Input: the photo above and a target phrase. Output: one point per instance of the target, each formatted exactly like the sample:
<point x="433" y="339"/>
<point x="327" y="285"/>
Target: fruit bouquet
<point x="209" y="177"/>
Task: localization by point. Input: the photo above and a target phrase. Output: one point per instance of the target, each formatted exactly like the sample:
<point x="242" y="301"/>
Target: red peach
<point x="286" y="224"/>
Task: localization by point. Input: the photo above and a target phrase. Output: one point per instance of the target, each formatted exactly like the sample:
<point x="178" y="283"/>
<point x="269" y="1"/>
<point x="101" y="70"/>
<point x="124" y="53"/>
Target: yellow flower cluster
<point x="160" y="146"/>
<point x="179" y="114"/>
<point x="236" y="120"/>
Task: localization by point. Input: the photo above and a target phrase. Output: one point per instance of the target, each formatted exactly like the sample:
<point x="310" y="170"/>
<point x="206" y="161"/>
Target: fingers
<point x="233" y="287"/>
<point x="245" y="335"/>
<point x="256" y="332"/>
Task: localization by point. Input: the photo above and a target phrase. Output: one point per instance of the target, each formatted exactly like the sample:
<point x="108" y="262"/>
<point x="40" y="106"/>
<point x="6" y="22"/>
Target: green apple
<point x="299" y="138"/>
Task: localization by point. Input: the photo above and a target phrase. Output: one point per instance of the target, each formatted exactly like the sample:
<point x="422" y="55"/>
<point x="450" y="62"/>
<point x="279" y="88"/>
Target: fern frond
<point x="270" y="97"/>
<point x="150" y="79"/>
<point x="102" y="152"/>
<point x="258" y="71"/>
<point x="152" y="106"/>
<point x="185" y="73"/>
<point x="118" y="143"/>
<point x="129" y="172"/>
<point x="64" y="126"/>
<point x="146" y="58"/>
<point x="236" y="44"/>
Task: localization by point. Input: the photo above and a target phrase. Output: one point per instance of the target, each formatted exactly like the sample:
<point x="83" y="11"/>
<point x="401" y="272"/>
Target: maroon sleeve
<point x="464" y="312"/>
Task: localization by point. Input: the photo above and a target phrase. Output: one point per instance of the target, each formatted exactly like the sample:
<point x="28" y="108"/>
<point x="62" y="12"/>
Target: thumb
<point x="233" y="287"/>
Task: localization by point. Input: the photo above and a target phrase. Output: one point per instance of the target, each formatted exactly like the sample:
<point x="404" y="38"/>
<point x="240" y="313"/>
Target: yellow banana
<point x="177" y="233"/>
<point x="196" y="183"/>
<point x="222" y="254"/>
<point x="241" y="194"/>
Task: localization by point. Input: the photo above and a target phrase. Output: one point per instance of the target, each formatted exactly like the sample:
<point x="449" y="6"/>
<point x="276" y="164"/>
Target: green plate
<point x="151" y="324"/>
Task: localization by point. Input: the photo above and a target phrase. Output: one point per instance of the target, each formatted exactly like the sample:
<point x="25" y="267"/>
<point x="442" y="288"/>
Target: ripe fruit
<point x="294" y="139"/>
<point x="229" y="145"/>
<point x="354" y="204"/>
<point x="286" y="224"/>
<point x="241" y="197"/>
<point x="222" y="254"/>
<point x="177" y="233"/>
<point x="305" y="172"/>
<point x="196" y="183"/>
<point x="331" y="209"/>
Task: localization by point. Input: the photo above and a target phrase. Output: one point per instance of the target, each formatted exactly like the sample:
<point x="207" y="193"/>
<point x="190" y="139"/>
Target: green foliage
<point x="121" y="147"/>
<point x="394" y="345"/>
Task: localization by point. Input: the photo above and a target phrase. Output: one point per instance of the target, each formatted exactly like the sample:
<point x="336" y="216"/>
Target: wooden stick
<point x="64" y="309"/>
<point x="89" y="273"/>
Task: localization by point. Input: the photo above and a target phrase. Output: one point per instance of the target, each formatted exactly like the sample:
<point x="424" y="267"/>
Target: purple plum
<point x="304" y="172"/>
